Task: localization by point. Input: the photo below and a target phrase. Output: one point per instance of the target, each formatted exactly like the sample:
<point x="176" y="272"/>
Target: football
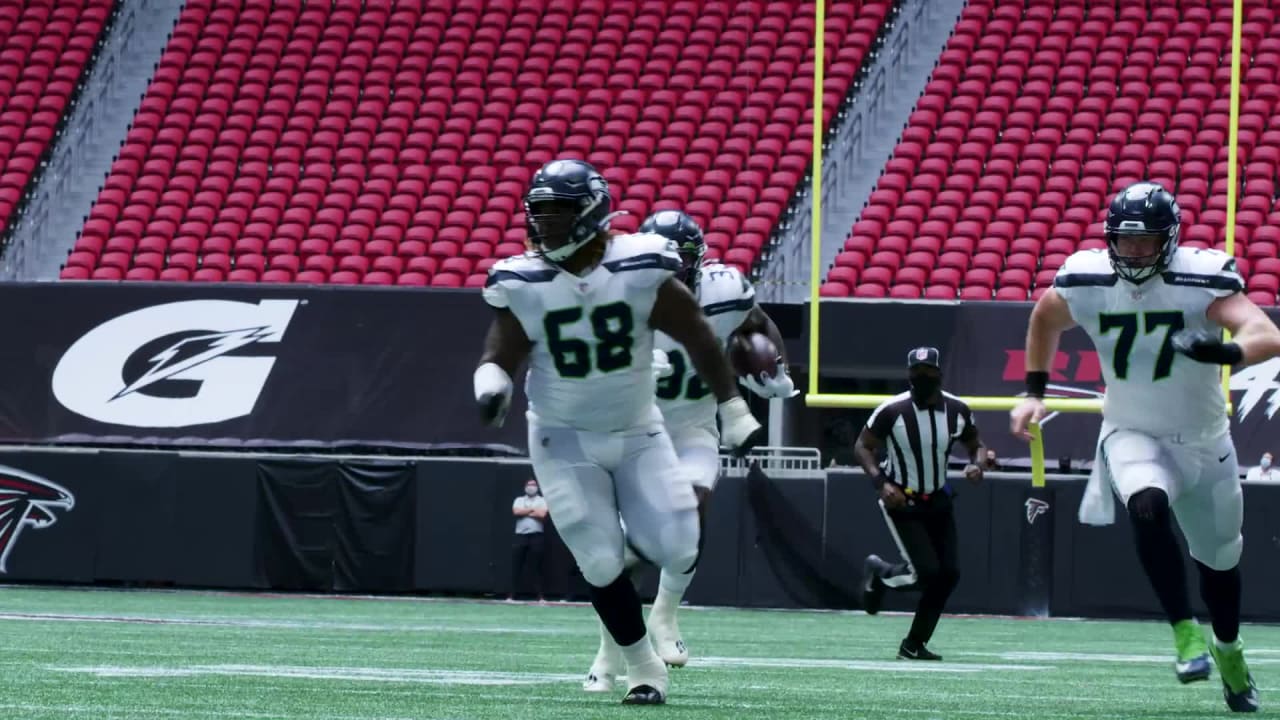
<point x="753" y="354"/>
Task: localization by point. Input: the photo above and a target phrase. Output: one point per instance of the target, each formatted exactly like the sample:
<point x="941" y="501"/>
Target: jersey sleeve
<point x="727" y="298"/>
<point x="508" y="276"/>
<point x="495" y="290"/>
<point x="881" y="421"/>
<point x="1083" y="270"/>
<point x="1213" y="271"/>
<point x="647" y="260"/>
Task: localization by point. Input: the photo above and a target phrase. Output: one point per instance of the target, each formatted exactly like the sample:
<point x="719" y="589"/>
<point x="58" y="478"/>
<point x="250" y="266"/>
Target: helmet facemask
<point x="558" y="227"/>
<point x="691" y="262"/>
<point x="1134" y="265"/>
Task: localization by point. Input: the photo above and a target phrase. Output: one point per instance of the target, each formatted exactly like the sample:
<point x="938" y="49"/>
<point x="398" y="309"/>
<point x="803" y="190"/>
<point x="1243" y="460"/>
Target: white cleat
<point x="647" y="683"/>
<point x="667" y="641"/>
<point x="599" y="681"/>
<point x="607" y="666"/>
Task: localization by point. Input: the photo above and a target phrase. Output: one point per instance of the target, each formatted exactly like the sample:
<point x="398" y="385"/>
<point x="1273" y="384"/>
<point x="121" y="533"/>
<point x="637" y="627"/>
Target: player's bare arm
<point x="758" y="321"/>
<point x="676" y="313"/>
<point x="865" y="449"/>
<point x="973" y="443"/>
<point x="505" y="347"/>
<point x="1050" y="318"/>
<point x="779" y="384"/>
<point x="1254" y="338"/>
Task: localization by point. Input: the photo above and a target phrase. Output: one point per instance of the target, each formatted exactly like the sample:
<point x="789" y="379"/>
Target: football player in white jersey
<point x="1155" y="312"/>
<point x="583" y="307"/>
<point x="729" y="303"/>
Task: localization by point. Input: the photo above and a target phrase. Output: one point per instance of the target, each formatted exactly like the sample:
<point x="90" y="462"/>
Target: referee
<point x="917" y="429"/>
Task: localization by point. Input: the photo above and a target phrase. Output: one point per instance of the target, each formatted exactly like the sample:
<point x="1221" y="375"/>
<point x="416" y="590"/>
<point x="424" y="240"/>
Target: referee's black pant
<point x="926" y="537"/>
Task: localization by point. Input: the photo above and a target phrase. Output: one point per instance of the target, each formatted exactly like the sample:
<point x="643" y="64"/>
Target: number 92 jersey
<point x="1151" y="388"/>
<point x="726" y="298"/>
<point x="590" y="367"/>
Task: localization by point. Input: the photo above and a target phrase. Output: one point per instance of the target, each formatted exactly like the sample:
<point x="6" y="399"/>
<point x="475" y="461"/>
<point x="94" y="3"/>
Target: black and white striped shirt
<point x="918" y="440"/>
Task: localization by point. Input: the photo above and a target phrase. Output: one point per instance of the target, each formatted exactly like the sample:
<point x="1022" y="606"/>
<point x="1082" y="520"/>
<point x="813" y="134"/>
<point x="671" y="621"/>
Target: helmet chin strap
<point x="566" y="251"/>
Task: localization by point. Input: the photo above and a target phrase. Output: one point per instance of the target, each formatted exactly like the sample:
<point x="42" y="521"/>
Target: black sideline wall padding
<point x="445" y="527"/>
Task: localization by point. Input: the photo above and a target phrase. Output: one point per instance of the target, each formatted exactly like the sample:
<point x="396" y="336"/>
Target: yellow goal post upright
<point x="815" y="398"/>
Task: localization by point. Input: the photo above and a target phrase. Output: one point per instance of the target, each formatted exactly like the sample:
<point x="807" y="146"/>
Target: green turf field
<point x="108" y="654"/>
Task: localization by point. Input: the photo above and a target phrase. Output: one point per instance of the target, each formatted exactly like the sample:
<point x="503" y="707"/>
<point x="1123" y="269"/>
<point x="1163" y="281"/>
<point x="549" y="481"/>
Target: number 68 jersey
<point x="590" y="366"/>
<point x="1150" y="387"/>
<point x="726" y="298"/>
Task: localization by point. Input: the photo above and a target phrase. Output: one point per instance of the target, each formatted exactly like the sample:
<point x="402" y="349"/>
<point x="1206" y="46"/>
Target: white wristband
<point x="491" y="380"/>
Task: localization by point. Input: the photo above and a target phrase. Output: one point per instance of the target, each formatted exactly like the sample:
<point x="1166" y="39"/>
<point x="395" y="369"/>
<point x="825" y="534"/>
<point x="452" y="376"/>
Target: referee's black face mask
<point x="925" y="384"/>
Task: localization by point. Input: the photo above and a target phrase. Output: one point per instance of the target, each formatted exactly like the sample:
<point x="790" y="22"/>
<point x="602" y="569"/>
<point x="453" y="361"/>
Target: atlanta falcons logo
<point x="26" y="501"/>
<point x="1035" y="508"/>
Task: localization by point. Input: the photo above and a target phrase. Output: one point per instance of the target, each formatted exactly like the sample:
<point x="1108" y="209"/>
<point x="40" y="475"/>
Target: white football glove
<point x="493" y="393"/>
<point x="661" y="364"/>
<point x="778" y="386"/>
<point x="739" y="430"/>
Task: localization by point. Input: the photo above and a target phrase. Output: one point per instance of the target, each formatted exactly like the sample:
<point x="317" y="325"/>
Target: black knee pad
<point x="1149" y="506"/>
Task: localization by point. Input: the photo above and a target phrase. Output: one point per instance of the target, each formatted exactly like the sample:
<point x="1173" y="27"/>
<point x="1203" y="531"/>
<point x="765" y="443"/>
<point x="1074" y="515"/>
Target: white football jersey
<point x="592" y="357"/>
<point x="726" y="298"/>
<point x="1151" y="388"/>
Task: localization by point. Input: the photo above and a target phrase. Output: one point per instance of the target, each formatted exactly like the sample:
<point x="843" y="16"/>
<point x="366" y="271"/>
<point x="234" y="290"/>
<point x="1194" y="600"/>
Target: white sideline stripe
<point x="891" y="666"/>
<point x="98" y="711"/>
<point x="277" y="624"/>
<point x="403" y="675"/>
<point x="1032" y="656"/>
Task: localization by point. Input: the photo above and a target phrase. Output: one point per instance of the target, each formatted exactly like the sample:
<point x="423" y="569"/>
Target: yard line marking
<point x="98" y="711"/>
<point x="428" y="676"/>
<point x="282" y="624"/>
<point x="1043" y="656"/>
<point x="891" y="666"/>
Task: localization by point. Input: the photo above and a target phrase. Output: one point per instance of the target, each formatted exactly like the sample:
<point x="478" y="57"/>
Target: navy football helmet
<point x="685" y="233"/>
<point x="1145" y="209"/>
<point x="566" y="206"/>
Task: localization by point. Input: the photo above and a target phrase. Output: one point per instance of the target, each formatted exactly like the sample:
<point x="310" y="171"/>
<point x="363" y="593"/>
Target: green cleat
<point x="1237" y="684"/>
<point x="1193" y="653"/>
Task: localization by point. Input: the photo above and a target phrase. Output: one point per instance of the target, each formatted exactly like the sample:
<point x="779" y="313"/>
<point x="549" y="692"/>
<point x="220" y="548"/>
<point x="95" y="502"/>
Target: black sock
<point x="1158" y="550"/>
<point x="1221" y="592"/>
<point x="618" y="605"/>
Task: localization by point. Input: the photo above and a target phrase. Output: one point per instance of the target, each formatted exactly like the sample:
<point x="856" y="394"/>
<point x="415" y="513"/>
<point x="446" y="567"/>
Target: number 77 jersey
<point x="590" y="366"/>
<point x="1150" y="388"/>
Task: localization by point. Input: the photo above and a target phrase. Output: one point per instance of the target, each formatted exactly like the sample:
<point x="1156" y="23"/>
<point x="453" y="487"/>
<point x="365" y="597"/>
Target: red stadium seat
<point x="1030" y="125"/>
<point x="355" y="133"/>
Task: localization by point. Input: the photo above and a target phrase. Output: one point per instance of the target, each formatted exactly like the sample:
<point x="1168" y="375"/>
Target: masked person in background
<point x="1264" y="472"/>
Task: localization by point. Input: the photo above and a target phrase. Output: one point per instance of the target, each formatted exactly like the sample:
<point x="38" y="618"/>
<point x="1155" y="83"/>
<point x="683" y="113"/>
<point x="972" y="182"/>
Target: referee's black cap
<point x="924" y="356"/>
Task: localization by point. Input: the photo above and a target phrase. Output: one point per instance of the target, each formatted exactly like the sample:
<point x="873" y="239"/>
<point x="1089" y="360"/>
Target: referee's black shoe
<point x="873" y="587"/>
<point x="912" y="650"/>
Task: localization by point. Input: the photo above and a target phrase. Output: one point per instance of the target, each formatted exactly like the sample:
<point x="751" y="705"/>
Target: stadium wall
<point x="360" y="524"/>
<point x="387" y="369"/>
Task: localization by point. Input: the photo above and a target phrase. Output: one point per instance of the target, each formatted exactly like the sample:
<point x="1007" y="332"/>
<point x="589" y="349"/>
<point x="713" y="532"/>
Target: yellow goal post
<point x="814" y="398"/>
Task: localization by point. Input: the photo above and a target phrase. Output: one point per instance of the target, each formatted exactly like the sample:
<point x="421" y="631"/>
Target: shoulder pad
<point x="1086" y="268"/>
<point x="723" y="288"/>
<point x="1210" y="269"/>
<point x="526" y="268"/>
<point x="641" y="251"/>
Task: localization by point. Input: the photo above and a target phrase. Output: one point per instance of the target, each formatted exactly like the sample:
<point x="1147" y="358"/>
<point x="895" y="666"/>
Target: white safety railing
<point x="776" y="462"/>
<point x="785" y="276"/>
